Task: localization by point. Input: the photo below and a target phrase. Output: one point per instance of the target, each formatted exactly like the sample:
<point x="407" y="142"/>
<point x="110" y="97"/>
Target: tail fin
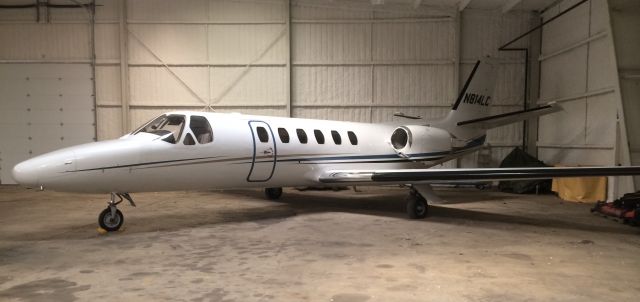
<point x="474" y="101"/>
<point x="470" y="116"/>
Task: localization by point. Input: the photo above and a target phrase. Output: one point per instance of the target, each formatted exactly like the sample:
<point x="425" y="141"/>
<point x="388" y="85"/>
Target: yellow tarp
<point x="582" y="189"/>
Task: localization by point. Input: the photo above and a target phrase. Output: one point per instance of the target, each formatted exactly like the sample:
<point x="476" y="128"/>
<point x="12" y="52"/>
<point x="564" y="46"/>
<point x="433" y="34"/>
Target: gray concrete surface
<point x="313" y="246"/>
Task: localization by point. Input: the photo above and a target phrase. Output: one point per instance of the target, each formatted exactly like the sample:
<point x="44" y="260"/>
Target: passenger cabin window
<point x="201" y="129"/>
<point x="336" y="137"/>
<point x="262" y="134"/>
<point x="302" y="136"/>
<point x="284" y="135"/>
<point x="168" y="127"/>
<point x="188" y="140"/>
<point x="319" y="136"/>
<point x="352" y="138"/>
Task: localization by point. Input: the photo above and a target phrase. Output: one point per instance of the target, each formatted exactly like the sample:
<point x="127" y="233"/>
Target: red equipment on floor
<point x="626" y="208"/>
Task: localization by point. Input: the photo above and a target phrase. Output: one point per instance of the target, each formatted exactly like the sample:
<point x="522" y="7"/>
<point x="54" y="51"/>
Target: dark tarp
<point x="518" y="158"/>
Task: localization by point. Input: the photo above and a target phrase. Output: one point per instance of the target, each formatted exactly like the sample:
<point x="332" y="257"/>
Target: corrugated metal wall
<point x="625" y="20"/>
<point x="578" y="70"/>
<point x="316" y="59"/>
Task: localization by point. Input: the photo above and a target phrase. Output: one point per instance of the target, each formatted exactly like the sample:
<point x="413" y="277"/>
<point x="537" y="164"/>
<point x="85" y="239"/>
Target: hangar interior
<point x="70" y="76"/>
<point x="71" y="73"/>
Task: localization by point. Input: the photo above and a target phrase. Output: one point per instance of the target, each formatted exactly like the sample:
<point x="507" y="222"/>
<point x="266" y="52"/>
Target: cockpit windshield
<point x="168" y="127"/>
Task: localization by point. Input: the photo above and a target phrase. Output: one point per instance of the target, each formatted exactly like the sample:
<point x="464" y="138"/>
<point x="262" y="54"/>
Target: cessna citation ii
<point x="200" y="150"/>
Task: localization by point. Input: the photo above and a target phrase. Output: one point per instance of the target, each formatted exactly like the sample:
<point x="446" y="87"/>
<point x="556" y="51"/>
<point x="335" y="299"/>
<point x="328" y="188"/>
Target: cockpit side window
<point x="188" y="140"/>
<point x="169" y="127"/>
<point x="201" y="129"/>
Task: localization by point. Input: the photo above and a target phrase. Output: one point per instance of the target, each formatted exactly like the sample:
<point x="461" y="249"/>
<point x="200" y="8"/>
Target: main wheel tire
<point x="417" y="207"/>
<point x="273" y="193"/>
<point x="109" y="222"/>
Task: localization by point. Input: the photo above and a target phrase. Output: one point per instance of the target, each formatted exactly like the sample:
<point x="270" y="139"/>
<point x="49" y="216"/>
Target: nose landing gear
<point x="111" y="219"/>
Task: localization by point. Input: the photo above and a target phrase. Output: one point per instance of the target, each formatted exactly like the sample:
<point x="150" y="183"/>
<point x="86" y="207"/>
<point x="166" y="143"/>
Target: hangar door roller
<point x="43" y="107"/>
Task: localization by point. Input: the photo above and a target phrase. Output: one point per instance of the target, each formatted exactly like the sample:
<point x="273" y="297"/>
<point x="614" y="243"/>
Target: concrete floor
<point x="313" y="246"/>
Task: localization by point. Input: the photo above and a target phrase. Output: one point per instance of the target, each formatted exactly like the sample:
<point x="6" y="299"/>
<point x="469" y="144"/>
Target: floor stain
<point x="53" y="289"/>
<point x="349" y="298"/>
<point x="517" y="256"/>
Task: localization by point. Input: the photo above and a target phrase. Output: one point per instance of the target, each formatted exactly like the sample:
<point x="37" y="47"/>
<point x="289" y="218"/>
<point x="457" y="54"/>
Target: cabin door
<point x="264" y="152"/>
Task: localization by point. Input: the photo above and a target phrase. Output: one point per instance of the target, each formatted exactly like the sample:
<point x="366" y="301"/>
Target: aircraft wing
<point x="420" y="176"/>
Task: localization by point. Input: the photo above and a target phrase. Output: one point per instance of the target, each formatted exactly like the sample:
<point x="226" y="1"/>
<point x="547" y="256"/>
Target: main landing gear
<point x="273" y="193"/>
<point x="417" y="207"/>
<point x="111" y="219"/>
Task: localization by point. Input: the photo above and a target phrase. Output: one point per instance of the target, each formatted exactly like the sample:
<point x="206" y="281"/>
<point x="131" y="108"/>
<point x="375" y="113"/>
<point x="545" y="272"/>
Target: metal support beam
<point x="463" y="4"/>
<point x="509" y="5"/>
<point x="288" y="57"/>
<point x="124" y="67"/>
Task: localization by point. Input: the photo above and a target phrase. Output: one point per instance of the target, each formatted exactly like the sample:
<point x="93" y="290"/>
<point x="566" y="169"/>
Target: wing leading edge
<point x="416" y="176"/>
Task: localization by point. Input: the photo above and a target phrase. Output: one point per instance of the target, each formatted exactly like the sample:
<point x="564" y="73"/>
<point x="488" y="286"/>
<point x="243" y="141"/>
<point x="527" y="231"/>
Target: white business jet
<point x="200" y="150"/>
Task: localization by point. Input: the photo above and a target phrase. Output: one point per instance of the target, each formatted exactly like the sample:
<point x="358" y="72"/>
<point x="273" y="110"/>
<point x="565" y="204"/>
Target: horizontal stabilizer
<point x="508" y="118"/>
<point x="416" y="176"/>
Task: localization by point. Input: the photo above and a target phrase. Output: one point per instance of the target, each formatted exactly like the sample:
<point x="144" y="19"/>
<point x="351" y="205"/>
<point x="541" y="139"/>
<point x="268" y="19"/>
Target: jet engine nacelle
<point x="415" y="142"/>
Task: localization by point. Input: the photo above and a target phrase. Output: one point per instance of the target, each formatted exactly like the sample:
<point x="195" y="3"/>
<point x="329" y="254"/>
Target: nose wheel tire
<point x="273" y="193"/>
<point x="417" y="207"/>
<point x="110" y="222"/>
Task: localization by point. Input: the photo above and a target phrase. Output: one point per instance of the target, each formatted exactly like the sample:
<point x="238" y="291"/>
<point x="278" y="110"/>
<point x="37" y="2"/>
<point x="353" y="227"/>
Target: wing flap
<point x="415" y="176"/>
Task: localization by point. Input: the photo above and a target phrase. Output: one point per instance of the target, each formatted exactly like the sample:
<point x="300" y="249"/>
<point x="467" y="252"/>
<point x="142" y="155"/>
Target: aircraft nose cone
<point x="26" y="173"/>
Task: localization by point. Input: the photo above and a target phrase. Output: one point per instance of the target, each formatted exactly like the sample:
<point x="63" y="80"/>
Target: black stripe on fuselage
<point x="143" y="164"/>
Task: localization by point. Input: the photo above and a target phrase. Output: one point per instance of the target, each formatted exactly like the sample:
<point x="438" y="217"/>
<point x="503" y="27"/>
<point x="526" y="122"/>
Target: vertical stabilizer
<point x="474" y="101"/>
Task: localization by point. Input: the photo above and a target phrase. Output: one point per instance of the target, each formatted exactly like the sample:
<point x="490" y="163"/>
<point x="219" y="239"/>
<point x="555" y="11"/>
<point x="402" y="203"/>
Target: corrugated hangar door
<point x="43" y="107"/>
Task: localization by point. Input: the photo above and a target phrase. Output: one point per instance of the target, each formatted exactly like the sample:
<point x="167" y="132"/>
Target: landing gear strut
<point x="111" y="219"/>
<point x="417" y="207"/>
<point x="273" y="193"/>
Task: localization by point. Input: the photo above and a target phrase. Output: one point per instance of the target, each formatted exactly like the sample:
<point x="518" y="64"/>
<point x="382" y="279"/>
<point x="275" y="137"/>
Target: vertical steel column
<point x="124" y="66"/>
<point x="288" y="56"/>
<point x="92" y="30"/>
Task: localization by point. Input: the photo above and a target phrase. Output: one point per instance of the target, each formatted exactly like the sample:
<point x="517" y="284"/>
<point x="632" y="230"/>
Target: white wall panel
<point x="566" y="127"/>
<point x="414" y="85"/>
<point x="413" y="41"/>
<point x="26" y="14"/>
<point x="600" y="58"/>
<point x="44" y="41"/>
<point x="245" y="11"/>
<point x="316" y="10"/>
<point x="264" y="43"/>
<point x="109" y="123"/>
<point x="600" y="131"/>
<point x="108" y="85"/>
<point x="157" y="86"/>
<point x="331" y="42"/>
<point x="167" y="10"/>
<point x="236" y="86"/>
<point x="567" y="30"/>
<point x="564" y="75"/>
<point x="107" y="41"/>
<point x="483" y="32"/>
<point x="331" y="85"/>
<point x="170" y="42"/>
